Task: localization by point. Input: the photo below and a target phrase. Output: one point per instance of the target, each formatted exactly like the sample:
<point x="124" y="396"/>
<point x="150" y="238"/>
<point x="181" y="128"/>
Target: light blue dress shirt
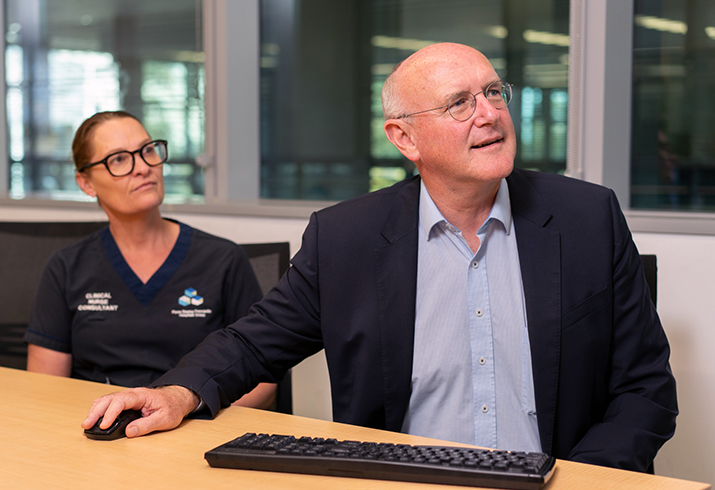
<point x="471" y="378"/>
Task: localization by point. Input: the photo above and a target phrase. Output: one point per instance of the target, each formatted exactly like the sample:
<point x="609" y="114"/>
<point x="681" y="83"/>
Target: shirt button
<point x="485" y="409"/>
<point x="482" y="361"/>
<point x="479" y="312"/>
<point x="475" y="264"/>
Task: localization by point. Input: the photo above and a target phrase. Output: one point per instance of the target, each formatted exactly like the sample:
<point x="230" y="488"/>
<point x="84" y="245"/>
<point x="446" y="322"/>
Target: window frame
<point x="599" y="126"/>
<point x="4" y="170"/>
<point x="599" y="122"/>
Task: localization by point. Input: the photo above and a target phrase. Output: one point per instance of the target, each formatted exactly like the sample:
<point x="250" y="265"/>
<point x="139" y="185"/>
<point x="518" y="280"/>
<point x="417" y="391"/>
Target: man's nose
<point x="484" y="112"/>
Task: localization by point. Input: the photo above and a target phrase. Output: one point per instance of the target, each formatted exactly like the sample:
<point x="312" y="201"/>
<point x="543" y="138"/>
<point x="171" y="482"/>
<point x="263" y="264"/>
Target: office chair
<point x="270" y="261"/>
<point x="650" y="269"/>
<point x="25" y="249"/>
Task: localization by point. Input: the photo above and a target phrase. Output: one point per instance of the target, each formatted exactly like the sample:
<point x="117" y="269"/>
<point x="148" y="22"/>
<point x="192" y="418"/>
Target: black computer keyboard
<point x="380" y="461"/>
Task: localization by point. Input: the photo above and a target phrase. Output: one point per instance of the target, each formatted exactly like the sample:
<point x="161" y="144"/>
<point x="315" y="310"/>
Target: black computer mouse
<point x="116" y="430"/>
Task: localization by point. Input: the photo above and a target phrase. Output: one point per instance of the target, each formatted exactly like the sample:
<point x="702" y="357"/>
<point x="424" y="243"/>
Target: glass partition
<point x="323" y="64"/>
<point x="67" y="59"/>
<point x="673" y="130"/>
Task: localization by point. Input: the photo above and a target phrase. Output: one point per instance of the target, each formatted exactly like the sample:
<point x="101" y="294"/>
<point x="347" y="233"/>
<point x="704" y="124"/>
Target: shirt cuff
<point x="199" y="407"/>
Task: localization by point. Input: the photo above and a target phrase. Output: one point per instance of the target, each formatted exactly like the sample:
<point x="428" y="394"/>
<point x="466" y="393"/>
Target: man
<point x="506" y="305"/>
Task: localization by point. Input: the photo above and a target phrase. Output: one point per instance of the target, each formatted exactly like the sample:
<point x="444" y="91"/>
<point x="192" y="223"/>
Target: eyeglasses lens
<point x="499" y="94"/>
<point x="462" y="106"/>
<point x="120" y="164"/>
<point x="154" y="153"/>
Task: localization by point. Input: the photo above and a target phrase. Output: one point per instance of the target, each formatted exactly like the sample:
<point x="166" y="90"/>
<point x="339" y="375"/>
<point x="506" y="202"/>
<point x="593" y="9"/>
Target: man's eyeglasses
<point x="121" y="163"/>
<point x="462" y="106"/>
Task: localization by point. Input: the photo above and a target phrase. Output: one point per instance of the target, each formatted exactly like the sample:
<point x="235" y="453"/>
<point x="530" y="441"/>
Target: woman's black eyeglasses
<point x="121" y="163"/>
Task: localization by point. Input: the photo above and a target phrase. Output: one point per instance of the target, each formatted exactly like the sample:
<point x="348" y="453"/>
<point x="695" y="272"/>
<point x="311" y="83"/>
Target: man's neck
<point x="465" y="206"/>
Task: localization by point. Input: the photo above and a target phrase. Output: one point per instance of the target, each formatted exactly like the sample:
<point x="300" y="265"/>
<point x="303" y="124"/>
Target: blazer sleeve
<point x="640" y="415"/>
<point x="280" y="330"/>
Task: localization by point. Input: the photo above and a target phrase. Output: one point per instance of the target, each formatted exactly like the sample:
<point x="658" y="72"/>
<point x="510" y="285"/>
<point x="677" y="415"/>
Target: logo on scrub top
<point x="191" y="298"/>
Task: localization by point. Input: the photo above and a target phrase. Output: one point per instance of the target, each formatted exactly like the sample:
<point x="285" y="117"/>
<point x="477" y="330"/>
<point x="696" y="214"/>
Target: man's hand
<point x="162" y="408"/>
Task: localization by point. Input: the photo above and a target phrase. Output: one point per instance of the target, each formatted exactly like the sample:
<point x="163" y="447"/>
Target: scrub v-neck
<point x="144" y="293"/>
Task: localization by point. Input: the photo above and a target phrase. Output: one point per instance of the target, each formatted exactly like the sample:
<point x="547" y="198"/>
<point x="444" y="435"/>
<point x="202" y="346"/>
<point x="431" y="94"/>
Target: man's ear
<point x="400" y="134"/>
<point x="84" y="184"/>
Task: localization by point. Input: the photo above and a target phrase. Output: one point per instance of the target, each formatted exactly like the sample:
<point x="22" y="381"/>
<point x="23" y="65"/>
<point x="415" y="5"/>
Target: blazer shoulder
<point x="550" y="181"/>
<point x="374" y="204"/>
<point x="526" y="188"/>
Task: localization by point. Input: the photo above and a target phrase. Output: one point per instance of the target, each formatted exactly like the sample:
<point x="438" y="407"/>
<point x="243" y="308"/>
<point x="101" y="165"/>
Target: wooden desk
<point x="43" y="446"/>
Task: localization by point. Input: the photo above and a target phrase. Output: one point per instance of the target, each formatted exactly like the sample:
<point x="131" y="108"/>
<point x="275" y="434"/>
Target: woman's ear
<point x="84" y="183"/>
<point x="400" y="134"/>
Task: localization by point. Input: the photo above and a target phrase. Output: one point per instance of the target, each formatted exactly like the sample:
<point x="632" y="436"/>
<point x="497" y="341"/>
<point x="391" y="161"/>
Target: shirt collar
<point x="430" y="215"/>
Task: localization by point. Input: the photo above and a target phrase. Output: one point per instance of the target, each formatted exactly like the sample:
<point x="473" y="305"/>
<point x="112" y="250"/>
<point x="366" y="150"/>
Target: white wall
<point x="686" y="296"/>
<point x="686" y="286"/>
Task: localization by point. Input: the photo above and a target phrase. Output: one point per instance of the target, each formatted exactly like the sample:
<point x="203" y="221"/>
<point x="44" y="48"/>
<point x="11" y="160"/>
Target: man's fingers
<point x="116" y="406"/>
<point x="110" y="406"/>
<point x="153" y="422"/>
<point x="140" y="427"/>
<point x="162" y="409"/>
<point x="99" y="406"/>
<point x="133" y="430"/>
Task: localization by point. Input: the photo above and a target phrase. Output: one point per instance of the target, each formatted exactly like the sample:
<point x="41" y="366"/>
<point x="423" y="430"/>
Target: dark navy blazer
<point x="604" y="390"/>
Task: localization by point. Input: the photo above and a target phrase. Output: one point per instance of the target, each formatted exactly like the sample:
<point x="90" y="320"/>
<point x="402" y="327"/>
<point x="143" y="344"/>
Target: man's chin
<point x="498" y="168"/>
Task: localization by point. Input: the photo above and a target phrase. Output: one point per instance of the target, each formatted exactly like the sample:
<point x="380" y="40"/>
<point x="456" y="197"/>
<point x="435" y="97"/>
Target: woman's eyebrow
<point x="119" y="150"/>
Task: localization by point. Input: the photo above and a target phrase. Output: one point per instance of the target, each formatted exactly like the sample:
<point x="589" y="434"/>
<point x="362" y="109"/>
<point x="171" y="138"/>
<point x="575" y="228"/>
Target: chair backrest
<point x="26" y="248"/>
<point x="270" y="261"/>
<point x="650" y="269"/>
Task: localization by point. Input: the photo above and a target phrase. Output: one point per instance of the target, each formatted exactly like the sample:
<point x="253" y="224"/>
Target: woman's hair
<point x="82" y="145"/>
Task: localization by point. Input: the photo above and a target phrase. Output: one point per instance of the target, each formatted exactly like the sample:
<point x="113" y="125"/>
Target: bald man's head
<point x="421" y="71"/>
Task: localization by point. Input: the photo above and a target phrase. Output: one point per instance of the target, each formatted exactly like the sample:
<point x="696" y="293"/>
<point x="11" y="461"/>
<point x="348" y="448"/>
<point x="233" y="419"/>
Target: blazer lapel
<point x="396" y="279"/>
<point x="540" y="259"/>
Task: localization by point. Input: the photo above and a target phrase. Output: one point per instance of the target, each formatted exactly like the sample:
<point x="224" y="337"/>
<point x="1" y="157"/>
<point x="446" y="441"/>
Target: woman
<point x="126" y="303"/>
